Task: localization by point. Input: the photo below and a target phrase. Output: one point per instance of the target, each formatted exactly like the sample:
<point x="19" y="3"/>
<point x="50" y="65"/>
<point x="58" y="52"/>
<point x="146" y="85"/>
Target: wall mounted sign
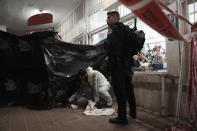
<point x="39" y="19"/>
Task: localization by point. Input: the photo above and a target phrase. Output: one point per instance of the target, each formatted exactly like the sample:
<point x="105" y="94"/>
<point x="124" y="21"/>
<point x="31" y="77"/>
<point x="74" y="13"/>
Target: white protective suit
<point x="100" y="85"/>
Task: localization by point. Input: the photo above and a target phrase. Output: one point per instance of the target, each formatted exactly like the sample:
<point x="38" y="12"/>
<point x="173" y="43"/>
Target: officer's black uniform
<point x="119" y="64"/>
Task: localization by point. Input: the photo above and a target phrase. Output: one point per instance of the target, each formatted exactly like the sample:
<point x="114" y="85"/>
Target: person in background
<point x="143" y="61"/>
<point x="119" y="65"/>
<point x="136" y="63"/>
<point x="98" y="82"/>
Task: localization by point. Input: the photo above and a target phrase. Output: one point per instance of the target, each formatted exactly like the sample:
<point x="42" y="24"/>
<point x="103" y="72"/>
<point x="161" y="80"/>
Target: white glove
<point x="96" y="99"/>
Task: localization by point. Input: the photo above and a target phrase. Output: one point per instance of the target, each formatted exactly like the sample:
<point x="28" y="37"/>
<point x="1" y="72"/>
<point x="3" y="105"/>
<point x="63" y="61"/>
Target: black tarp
<point x="41" y="61"/>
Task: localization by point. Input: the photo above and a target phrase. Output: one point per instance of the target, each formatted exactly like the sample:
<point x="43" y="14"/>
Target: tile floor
<point x="67" y="119"/>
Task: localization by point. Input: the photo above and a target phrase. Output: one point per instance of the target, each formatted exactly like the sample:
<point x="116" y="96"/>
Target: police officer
<point x="119" y="64"/>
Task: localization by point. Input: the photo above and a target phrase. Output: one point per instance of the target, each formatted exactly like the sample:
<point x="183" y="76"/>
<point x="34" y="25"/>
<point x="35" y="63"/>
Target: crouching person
<point x="98" y="82"/>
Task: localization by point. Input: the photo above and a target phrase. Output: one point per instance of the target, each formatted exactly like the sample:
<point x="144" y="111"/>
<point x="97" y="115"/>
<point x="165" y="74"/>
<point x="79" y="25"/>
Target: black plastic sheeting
<point x="67" y="58"/>
<point x="43" y="69"/>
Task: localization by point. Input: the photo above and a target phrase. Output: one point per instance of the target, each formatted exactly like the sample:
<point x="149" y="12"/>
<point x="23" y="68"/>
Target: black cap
<point x="81" y="72"/>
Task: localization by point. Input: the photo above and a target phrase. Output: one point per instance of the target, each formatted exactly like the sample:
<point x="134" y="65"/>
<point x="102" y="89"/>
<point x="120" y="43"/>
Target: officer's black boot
<point x="118" y="120"/>
<point x="133" y="115"/>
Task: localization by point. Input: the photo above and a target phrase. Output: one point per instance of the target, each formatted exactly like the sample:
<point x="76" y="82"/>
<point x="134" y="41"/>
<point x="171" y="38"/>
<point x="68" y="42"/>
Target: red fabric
<point x="54" y="102"/>
<point x="43" y="94"/>
<point x="179" y="128"/>
<point x="152" y="15"/>
<point x="59" y="37"/>
<point x="194" y="27"/>
<point x="192" y="96"/>
<point x="171" y="11"/>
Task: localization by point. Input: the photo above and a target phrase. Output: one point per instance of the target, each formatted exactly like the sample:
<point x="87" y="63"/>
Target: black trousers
<point x="123" y="89"/>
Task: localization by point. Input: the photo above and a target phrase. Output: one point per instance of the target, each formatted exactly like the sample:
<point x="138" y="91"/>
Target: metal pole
<point x="179" y="95"/>
<point x="163" y="95"/>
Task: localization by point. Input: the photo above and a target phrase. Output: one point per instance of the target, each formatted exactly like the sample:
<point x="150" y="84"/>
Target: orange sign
<point x="152" y="15"/>
<point x="149" y="11"/>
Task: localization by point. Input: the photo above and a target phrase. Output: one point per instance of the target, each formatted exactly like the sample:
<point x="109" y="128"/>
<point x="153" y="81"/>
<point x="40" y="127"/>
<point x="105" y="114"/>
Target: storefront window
<point x="153" y="55"/>
<point x="192" y="8"/>
<point x="79" y="41"/>
<point x="96" y="38"/>
<point x="123" y="11"/>
<point x="97" y="20"/>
